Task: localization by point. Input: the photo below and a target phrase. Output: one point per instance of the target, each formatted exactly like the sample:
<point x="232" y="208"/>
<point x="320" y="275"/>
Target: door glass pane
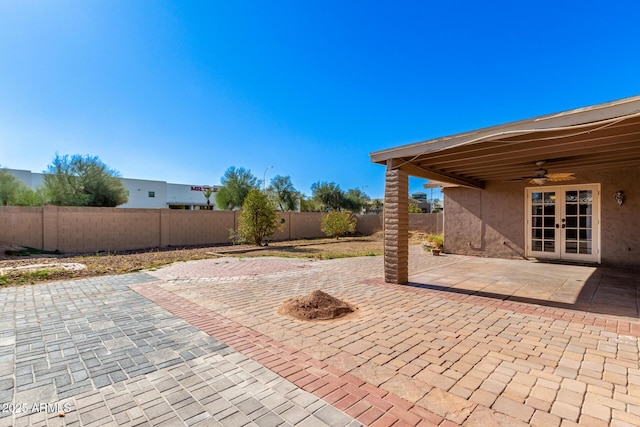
<point x="585" y="248"/>
<point x="543" y="221"/>
<point x="585" y="235"/>
<point x="536" y="203"/>
<point x="585" y="209"/>
<point x="578" y="221"/>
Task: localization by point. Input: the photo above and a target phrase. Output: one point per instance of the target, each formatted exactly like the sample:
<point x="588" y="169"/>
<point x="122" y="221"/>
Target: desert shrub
<point x="338" y="223"/>
<point x="435" y="241"/>
<point x="259" y="218"/>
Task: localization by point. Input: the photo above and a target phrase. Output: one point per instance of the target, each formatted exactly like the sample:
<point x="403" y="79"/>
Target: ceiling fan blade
<point x="558" y="177"/>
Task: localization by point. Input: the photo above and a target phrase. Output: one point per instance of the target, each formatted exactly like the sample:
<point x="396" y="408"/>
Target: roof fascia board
<point x="574" y="117"/>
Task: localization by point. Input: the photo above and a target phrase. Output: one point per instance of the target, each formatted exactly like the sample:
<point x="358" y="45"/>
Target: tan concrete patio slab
<point x="469" y="341"/>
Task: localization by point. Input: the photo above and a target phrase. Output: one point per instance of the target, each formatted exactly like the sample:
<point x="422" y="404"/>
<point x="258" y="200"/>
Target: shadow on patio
<point x="593" y="289"/>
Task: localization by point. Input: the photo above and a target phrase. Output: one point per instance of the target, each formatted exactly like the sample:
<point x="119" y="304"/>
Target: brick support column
<point x="396" y="226"/>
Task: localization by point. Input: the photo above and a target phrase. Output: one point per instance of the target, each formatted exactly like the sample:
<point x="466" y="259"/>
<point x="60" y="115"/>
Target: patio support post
<point x="396" y="225"/>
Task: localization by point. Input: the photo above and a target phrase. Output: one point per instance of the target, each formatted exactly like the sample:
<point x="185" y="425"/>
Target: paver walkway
<point x="470" y="342"/>
<point x="101" y="354"/>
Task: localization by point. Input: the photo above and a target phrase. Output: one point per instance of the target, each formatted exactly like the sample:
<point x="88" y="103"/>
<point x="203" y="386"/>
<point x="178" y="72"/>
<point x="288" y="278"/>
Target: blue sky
<point x="179" y="91"/>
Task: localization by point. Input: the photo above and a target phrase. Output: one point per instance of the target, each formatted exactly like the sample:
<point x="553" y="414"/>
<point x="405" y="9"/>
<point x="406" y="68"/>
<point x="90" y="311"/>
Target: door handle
<point x="557" y="225"/>
<point x="562" y="225"/>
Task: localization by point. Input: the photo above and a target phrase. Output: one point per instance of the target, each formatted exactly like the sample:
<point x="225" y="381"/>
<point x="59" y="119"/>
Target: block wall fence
<point x="82" y="229"/>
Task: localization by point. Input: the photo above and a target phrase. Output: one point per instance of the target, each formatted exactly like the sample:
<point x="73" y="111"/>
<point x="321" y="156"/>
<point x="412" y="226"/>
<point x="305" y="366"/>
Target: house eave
<point x="580" y="116"/>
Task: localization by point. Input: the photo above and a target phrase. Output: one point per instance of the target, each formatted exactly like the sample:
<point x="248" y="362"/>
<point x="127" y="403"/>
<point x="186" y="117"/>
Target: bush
<point x="435" y="241"/>
<point x="338" y="223"/>
<point x="259" y="218"/>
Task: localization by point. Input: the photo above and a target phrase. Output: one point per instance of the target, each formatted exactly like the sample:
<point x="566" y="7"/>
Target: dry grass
<point x="105" y="263"/>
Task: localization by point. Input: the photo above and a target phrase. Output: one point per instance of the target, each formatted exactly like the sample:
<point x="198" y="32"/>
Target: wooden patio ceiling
<point x="594" y="138"/>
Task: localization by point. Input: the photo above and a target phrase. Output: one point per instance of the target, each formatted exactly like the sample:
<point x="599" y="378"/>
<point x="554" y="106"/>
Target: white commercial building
<point x="144" y="193"/>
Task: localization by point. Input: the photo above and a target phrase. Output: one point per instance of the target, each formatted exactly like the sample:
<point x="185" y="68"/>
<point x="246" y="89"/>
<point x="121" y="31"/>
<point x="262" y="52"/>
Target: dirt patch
<point x="70" y="266"/>
<point x="317" y="305"/>
<point x="102" y="263"/>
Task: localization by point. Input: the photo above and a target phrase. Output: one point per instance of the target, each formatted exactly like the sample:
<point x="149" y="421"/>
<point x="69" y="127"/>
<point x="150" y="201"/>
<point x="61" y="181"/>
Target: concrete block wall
<point x="370" y="224"/>
<point x="81" y="229"/>
<point x="21" y="226"/>
<point x="427" y="222"/>
<point x="101" y="229"/>
<point x="305" y="225"/>
<point x="186" y="228"/>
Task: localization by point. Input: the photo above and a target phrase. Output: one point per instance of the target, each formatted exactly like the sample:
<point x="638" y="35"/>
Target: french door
<point x="563" y="222"/>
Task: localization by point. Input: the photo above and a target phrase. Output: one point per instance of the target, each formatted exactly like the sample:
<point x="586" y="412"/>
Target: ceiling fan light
<point x="541" y="180"/>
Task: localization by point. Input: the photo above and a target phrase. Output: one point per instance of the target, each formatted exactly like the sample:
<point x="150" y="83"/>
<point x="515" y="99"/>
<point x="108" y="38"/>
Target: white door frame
<point x="560" y="249"/>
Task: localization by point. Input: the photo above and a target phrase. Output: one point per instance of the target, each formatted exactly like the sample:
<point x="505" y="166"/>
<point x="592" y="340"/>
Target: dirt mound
<point x="317" y="305"/>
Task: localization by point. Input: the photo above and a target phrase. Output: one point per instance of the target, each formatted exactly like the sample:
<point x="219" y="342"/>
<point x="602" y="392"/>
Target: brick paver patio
<point x="470" y="341"/>
<point x="103" y="355"/>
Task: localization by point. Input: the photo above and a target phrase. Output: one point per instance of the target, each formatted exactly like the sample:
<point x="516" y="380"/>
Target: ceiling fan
<point x="542" y="176"/>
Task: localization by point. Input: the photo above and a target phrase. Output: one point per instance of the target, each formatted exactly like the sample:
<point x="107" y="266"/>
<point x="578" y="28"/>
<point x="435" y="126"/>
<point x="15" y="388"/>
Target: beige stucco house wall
<point x="490" y="222"/>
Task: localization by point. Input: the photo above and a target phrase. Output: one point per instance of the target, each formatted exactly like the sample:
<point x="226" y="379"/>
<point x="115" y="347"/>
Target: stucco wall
<point x="490" y="222"/>
<point x="620" y="226"/>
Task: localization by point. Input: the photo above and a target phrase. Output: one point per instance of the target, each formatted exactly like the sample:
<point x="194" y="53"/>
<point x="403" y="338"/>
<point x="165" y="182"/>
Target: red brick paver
<point x="294" y="365"/>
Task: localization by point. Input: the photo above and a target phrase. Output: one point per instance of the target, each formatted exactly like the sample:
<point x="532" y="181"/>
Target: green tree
<point x="10" y="188"/>
<point x="377" y="205"/>
<point x="83" y="181"/>
<point x="328" y="195"/>
<point x="29" y="197"/>
<point x="207" y="192"/>
<point x="338" y="223"/>
<point x="413" y="206"/>
<point x="236" y="184"/>
<point x="259" y="218"/>
<point x="308" y="204"/>
<point x="355" y="200"/>
<point x="284" y="192"/>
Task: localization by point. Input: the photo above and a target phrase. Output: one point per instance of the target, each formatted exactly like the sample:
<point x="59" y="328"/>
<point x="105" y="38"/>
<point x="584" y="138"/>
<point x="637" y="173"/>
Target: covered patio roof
<point x="598" y="137"/>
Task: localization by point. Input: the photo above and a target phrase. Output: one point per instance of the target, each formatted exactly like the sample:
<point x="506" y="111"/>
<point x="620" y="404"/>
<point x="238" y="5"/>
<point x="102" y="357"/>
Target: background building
<point x="144" y="193"/>
<point x="421" y="201"/>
